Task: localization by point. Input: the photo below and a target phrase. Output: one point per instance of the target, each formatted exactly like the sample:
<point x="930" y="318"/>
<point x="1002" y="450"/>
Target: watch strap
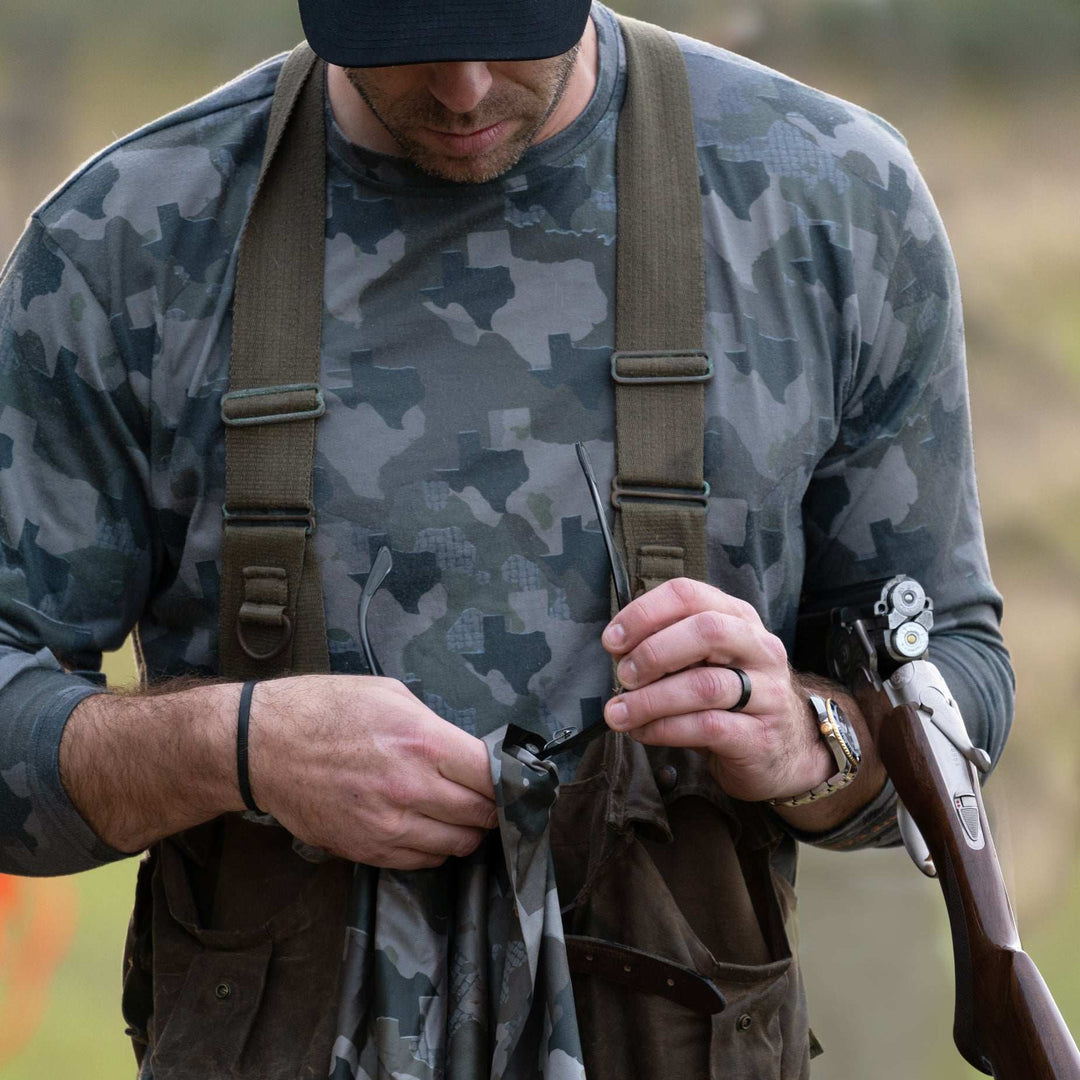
<point x="847" y="759"/>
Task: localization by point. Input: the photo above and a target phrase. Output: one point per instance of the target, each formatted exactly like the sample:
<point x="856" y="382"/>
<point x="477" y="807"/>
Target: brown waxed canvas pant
<point x="652" y="854"/>
<point x="232" y="959"/>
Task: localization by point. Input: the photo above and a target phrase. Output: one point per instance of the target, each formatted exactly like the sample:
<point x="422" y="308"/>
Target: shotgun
<point x="1006" y="1024"/>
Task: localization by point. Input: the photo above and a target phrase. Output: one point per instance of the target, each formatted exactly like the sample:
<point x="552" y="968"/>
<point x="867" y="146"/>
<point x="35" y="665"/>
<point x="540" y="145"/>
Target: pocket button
<point x="744" y="1022"/>
<point x="667" y="777"/>
<point x="223" y="991"/>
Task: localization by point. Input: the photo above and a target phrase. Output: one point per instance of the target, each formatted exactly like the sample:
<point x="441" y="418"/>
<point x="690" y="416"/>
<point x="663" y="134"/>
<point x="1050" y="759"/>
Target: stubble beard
<point x="529" y="107"/>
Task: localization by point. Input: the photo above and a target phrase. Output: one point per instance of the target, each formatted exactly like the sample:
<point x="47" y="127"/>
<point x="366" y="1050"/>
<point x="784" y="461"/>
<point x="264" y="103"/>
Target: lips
<point x="455" y="144"/>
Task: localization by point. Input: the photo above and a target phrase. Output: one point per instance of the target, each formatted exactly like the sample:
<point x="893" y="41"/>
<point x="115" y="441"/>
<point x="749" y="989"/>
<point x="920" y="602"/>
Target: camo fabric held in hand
<point x="460" y="973"/>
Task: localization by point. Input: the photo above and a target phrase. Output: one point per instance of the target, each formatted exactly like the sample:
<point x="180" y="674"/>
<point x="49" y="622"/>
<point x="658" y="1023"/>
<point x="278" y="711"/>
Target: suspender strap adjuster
<point x="629" y="491"/>
<point x="661" y="366"/>
<point x="272" y="404"/>
<point x="300" y="515"/>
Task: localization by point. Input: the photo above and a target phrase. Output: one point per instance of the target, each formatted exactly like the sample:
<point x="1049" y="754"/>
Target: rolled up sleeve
<point x="75" y="559"/>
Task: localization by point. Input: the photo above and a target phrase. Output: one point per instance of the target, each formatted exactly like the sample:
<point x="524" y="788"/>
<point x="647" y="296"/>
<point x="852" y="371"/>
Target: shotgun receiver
<point x="1007" y="1024"/>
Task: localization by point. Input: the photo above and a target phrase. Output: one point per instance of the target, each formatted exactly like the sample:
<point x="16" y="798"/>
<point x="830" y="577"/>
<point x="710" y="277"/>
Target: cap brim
<point x="362" y="33"/>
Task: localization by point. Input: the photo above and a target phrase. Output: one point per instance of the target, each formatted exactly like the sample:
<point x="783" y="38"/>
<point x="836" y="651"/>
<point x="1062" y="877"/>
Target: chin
<point x="468" y="170"/>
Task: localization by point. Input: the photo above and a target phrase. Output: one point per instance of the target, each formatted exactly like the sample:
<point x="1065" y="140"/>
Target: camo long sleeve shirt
<point x="466" y="339"/>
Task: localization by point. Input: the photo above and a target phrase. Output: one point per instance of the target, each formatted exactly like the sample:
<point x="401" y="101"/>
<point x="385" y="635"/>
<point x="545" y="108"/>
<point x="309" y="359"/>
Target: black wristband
<point x="242" y="721"/>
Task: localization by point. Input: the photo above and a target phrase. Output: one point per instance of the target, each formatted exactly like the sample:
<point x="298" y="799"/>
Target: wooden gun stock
<point x="1007" y="1023"/>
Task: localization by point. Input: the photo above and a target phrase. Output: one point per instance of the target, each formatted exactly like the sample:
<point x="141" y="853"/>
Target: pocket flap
<point x="212" y="1018"/>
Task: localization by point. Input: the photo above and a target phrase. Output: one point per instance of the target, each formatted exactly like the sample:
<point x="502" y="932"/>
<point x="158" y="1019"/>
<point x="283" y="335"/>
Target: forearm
<point x="142" y="767"/>
<point x="976" y="668"/>
<point x="354" y="765"/>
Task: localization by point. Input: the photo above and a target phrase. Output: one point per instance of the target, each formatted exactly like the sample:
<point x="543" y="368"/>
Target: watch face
<point x="846" y="730"/>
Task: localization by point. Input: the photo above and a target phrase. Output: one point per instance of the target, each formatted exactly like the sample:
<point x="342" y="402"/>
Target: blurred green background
<point x="988" y="94"/>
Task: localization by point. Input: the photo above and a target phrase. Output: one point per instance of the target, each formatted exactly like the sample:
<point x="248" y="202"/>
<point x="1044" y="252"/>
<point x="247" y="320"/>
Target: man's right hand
<point x="358" y="766"/>
<point x="352" y="764"/>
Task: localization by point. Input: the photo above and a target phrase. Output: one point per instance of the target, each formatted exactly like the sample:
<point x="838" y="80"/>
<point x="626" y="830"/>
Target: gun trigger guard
<point x="914" y="843"/>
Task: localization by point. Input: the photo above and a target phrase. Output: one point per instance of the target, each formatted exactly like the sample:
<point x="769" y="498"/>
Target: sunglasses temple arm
<point x="618" y="570"/>
<point x="379" y="569"/>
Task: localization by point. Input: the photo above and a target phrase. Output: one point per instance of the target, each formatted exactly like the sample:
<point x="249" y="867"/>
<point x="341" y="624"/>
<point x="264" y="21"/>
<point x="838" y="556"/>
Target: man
<point x="467" y="331"/>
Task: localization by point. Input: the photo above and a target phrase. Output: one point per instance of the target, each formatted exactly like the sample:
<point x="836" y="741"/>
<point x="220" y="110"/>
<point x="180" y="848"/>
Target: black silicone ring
<point x="242" y="720"/>
<point x="744" y="696"/>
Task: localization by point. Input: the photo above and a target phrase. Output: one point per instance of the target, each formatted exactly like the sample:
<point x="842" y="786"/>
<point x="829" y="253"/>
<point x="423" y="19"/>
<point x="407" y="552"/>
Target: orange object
<point x="37" y="925"/>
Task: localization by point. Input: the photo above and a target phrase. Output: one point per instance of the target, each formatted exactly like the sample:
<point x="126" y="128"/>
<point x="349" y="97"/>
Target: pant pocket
<point x="215" y="1005"/>
<point x="645" y="1031"/>
<point x="245" y="966"/>
<point x="678" y="876"/>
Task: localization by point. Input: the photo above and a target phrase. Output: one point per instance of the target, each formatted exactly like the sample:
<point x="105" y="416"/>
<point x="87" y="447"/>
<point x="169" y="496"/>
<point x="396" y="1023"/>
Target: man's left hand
<point x="676" y="646"/>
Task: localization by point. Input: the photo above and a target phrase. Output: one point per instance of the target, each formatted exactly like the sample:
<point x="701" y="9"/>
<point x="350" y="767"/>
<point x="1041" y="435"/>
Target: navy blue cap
<point x="379" y="33"/>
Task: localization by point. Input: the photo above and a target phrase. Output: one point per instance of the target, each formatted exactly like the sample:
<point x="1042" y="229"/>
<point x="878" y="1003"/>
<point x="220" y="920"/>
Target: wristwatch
<point x="843" y="743"/>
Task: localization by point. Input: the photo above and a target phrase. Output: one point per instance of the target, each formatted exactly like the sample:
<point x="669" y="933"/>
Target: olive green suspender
<point x="272" y="618"/>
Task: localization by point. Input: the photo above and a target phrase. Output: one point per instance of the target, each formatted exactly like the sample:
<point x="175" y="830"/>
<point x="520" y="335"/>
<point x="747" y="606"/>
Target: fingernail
<point x="627" y="673"/>
<point x="617" y="714"/>
<point x="614" y="636"/>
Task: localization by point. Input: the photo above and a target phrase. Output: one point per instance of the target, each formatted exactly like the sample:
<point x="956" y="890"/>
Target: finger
<point x="697" y="689"/>
<point x="463" y="758"/>
<point x="452" y="803"/>
<point x="725" y="734"/>
<point x="407" y="859"/>
<point x="422" y="833"/>
<point x="667" y="604"/>
<point x="710" y="637"/>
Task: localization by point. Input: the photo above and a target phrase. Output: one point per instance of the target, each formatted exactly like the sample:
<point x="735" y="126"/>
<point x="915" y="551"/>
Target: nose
<point x="460" y="86"/>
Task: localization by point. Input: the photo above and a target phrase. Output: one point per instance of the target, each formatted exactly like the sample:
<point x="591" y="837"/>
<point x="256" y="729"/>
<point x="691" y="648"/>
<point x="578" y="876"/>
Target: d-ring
<point x="283" y="640"/>
<point x="744" y="697"/>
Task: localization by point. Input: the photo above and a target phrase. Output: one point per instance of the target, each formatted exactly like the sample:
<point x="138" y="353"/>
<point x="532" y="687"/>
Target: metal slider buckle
<point x="668" y="354"/>
<point x="299" y="516"/>
<point x="571" y="739"/>
<point x="563" y="740"/>
<point x="629" y="491"/>
<point x="315" y="411"/>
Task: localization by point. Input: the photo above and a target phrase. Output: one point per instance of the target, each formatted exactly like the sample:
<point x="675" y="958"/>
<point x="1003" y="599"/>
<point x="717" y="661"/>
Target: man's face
<point x="468" y="122"/>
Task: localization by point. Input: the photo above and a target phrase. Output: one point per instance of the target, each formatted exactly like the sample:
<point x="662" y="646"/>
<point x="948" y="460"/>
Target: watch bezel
<point x="843" y="742"/>
<point x="844" y="734"/>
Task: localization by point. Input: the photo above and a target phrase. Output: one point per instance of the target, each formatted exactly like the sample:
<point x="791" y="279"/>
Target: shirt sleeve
<point x="897" y="494"/>
<point x="75" y="550"/>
